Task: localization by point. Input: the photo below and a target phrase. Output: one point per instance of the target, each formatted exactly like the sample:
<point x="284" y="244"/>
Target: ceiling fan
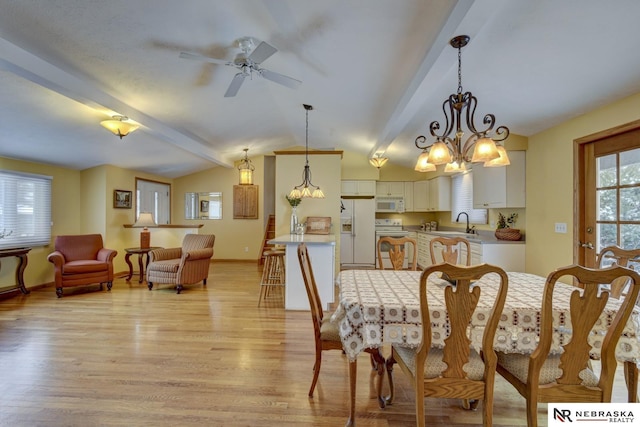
<point x="248" y="64"/>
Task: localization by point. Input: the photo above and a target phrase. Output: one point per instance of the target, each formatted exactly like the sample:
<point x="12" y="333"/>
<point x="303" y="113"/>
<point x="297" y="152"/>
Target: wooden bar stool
<point x="273" y="275"/>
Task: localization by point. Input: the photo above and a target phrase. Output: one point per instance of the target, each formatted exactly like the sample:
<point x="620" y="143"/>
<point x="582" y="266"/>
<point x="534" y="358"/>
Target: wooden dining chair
<point x="326" y="334"/>
<point x="397" y="248"/>
<point x="568" y="376"/>
<point x="615" y="255"/>
<point x="457" y="370"/>
<point x="449" y="250"/>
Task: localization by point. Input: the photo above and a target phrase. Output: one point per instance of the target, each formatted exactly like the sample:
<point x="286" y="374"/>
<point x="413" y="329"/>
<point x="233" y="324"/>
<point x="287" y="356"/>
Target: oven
<point x="391" y="228"/>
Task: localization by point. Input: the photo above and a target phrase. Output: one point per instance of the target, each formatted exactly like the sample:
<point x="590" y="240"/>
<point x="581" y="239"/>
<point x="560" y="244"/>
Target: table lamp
<point x="145" y="220"/>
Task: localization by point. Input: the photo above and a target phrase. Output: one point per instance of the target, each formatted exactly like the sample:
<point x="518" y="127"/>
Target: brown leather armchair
<point x="81" y="260"/>
<point x="186" y="265"/>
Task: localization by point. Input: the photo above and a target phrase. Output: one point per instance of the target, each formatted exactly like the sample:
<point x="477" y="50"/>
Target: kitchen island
<point x="322" y="254"/>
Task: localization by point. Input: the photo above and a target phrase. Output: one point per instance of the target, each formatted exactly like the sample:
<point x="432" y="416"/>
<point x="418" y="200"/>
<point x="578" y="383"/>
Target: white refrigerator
<point x="357" y="232"/>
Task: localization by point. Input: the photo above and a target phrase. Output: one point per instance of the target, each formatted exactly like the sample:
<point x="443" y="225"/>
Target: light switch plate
<point x="561" y="227"/>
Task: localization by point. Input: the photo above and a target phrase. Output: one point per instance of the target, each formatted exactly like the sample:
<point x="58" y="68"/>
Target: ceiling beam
<point x="33" y="68"/>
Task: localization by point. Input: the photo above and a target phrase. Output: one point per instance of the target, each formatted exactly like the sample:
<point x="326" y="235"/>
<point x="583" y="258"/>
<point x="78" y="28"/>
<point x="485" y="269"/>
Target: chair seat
<point x="84" y="266"/>
<point x="435" y="365"/>
<point x="329" y="331"/>
<point x="518" y="365"/>
<point x="165" y="266"/>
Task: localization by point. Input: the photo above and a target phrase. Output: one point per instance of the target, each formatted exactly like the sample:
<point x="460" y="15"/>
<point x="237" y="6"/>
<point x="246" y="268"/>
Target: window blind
<point x="462" y="199"/>
<point x="25" y="209"/>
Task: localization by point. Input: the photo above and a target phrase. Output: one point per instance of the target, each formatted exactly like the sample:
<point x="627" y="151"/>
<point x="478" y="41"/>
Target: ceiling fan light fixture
<point x="118" y="125"/>
<point x="459" y="109"/>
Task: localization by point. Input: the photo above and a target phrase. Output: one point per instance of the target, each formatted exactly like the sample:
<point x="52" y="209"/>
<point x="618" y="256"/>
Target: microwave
<point x="390" y="204"/>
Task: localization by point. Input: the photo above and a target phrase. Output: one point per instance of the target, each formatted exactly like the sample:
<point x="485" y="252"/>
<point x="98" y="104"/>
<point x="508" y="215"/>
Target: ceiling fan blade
<point x="262" y="52"/>
<point x="198" y="57"/>
<point x="235" y="85"/>
<point x="289" y="82"/>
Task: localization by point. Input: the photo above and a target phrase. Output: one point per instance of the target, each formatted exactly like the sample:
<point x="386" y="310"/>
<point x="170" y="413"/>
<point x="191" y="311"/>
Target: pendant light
<point x="246" y="169"/>
<point x="306" y="189"/>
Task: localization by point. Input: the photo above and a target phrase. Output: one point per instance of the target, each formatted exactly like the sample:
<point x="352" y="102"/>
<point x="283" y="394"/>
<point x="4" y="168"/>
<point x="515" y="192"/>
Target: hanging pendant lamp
<point x="306" y="189"/>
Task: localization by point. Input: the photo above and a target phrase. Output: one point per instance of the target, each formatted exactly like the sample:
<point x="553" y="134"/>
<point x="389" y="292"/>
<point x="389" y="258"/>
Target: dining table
<point x="382" y="307"/>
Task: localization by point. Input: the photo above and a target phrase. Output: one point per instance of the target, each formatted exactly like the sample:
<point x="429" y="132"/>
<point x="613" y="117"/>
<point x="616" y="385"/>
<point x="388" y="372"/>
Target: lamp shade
<point x="439" y="154"/>
<point x="423" y="164"/>
<point x="503" y="160"/>
<point x="118" y="126"/>
<point x="485" y="150"/>
<point x="145" y="220"/>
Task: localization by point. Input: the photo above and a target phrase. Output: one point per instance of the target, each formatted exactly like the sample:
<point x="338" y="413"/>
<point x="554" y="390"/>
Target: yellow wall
<point x="232" y="235"/>
<point x="550" y="182"/>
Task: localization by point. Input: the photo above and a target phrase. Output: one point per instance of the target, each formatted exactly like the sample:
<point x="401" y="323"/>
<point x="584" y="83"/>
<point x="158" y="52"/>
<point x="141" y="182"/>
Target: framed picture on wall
<point x="122" y="199"/>
<point x="204" y="206"/>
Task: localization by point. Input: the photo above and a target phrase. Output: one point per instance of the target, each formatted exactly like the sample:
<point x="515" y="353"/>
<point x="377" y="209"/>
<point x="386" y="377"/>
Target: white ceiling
<point x="375" y="71"/>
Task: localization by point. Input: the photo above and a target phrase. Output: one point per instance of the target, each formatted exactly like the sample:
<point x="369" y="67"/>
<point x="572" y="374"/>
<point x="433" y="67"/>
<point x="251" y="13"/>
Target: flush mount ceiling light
<point x="448" y="148"/>
<point x="118" y="125"/>
<point x="246" y="169"/>
<point x="306" y="189"/>
<point x="378" y="161"/>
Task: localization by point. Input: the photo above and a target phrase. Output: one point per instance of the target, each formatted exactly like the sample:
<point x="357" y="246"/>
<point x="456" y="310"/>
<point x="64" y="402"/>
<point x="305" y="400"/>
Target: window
<point x="25" y="210"/>
<point x="462" y="199"/>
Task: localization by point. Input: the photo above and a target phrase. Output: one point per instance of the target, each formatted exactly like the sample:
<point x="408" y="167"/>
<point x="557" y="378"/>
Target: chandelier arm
<point x="422" y="140"/>
<point x="502" y="133"/>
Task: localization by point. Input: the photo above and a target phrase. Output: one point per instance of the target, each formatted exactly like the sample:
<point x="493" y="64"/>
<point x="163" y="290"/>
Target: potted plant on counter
<point x="504" y="228"/>
<point x="293" y="202"/>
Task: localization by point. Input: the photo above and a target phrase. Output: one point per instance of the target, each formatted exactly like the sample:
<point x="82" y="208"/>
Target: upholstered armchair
<point x="186" y="265"/>
<point x="81" y="260"/>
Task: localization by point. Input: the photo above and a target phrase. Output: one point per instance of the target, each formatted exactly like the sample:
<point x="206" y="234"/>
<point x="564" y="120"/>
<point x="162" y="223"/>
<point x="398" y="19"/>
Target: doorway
<point x="154" y="197"/>
<point x="608" y="191"/>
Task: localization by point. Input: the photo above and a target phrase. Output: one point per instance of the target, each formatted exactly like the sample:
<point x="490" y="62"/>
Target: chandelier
<point x="451" y="147"/>
<point x="246" y="168"/>
<point x="306" y="189"/>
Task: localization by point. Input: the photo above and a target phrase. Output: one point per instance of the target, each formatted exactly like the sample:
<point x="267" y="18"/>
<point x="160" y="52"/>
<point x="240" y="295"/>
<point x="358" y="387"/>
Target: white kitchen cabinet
<point x="390" y="188"/>
<point x="421" y="196"/>
<point x="358" y="188"/>
<point x="408" y="196"/>
<point x="501" y="187"/>
<point x="439" y="194"/>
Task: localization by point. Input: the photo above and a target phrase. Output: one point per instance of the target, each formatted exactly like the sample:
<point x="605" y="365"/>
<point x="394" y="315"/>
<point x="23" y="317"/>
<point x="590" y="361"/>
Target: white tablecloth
<point x="383" y="306"/>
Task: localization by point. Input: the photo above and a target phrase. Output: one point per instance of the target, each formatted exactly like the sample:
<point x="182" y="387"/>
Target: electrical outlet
<point x="561" y="227"/>
<point x="246" y="248"/>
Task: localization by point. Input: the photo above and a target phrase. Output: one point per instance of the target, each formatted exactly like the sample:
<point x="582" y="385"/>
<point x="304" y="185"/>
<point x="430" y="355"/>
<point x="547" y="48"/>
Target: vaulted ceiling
<point x="375" y="71"/>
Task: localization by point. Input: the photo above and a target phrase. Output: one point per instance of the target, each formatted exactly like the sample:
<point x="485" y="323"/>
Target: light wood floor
<point x="206" y="357"/>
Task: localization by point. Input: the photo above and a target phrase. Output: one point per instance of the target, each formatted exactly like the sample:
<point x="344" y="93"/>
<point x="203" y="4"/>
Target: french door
<point x="608" y="196"/>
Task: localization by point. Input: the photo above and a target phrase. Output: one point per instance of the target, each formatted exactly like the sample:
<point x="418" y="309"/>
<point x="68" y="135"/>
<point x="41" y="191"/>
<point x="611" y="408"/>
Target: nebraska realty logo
<point x="596" y="414"/>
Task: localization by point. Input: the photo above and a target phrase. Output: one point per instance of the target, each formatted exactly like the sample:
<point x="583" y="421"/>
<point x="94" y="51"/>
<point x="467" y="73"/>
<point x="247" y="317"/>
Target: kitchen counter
<point x="321" y="249"/>
<point x="485" y="237"/>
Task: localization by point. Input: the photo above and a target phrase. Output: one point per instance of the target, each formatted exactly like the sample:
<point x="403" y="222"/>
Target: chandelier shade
<point x="306" y="189"/>
<point x="118" y="125"/>
<point x="245" y="169"/>
<point x="451" y="146"/>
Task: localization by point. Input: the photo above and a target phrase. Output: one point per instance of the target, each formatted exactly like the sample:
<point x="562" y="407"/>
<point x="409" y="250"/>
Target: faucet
<point x="468" y="230"/>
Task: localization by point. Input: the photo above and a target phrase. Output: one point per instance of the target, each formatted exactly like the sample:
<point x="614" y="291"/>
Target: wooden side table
<point x="141" y="252"/>
<point x="21" y="254"/>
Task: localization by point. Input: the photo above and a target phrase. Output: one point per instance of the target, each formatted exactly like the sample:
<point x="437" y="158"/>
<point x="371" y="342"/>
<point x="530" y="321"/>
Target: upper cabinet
<point x="245" y="202"/>
<point x="390" y="188"/>
<point x="501" y="187"/>
<point x="358" y="188"/>
<point x="408" y="196"/>
<point x="421" y="196"/>
<point x="440" y="194"/>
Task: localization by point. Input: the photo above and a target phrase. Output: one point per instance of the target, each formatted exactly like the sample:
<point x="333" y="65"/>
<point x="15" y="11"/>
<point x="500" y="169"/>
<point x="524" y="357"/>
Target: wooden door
<point x="608" y="192"/>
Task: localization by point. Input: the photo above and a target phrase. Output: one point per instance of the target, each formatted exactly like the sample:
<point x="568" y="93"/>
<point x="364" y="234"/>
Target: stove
<point x="390" y="227"/>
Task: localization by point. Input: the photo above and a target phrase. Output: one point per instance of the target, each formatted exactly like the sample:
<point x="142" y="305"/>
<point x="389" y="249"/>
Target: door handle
<point x="587" y="245"/>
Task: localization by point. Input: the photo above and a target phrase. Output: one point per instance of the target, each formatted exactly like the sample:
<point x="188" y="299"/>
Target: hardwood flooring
<point x="206" y="357"/>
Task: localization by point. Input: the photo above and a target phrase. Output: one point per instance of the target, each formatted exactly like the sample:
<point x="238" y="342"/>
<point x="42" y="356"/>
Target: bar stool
<point x="273" y="276"/>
